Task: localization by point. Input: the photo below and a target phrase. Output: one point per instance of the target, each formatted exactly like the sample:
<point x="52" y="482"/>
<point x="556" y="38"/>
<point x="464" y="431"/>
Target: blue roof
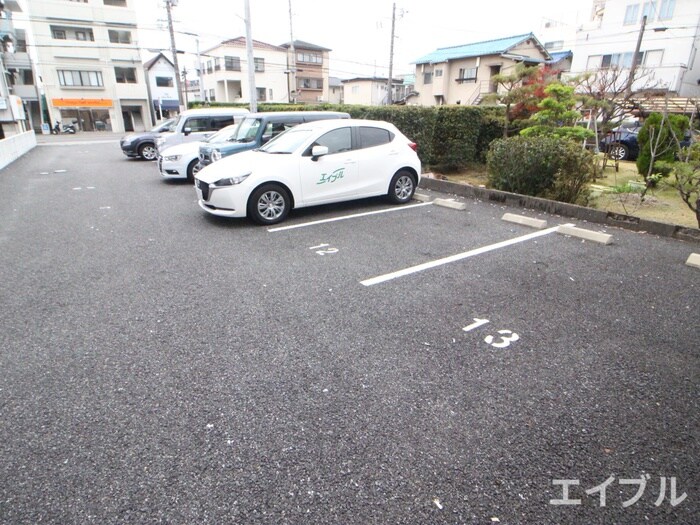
<point x="561" y="55"/>
<point x="477" y="49"/>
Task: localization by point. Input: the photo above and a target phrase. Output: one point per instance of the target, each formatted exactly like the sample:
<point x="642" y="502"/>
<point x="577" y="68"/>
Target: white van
<point x="198" y="124"/>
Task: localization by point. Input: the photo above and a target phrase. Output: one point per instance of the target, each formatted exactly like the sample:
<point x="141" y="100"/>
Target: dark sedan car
<point x="622" y="144"/>
<point x="144" y="144"/>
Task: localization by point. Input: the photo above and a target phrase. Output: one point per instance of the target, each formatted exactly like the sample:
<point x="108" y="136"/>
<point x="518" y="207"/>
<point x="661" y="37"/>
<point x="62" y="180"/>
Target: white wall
<point x="14" y="147"/>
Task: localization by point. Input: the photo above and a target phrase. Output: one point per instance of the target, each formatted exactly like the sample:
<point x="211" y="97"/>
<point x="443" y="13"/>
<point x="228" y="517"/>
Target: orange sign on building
<point x="81" y="102"/>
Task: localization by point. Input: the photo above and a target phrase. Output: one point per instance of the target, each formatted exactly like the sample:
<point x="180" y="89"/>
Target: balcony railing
<point x="7" y="30"/>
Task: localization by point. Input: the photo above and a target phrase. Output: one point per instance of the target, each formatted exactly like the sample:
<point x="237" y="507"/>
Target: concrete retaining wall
<point x="15" y="146"/>
<point x="559" y="208"/>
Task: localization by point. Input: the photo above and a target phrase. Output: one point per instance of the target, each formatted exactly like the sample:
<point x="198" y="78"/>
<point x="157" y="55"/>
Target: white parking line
<point x="344" y="217"/>
<point x="454" y="258"/>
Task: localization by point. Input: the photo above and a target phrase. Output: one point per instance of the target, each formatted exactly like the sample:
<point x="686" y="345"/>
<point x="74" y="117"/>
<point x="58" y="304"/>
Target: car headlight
<point x="127" y="140"/>
<point x="215" y="155"/>
<point x="172" y="158"/>
<point x="231" y="181"/>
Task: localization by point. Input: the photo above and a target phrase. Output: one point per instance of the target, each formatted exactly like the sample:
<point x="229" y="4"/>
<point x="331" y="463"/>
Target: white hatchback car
<point x="182" y="160"/>
<point x="315" y="163"/>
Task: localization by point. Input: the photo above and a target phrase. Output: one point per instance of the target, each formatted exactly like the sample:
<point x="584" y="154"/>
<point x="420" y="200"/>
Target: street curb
<point x="560" y="208"/>
<point x="693" y="260"/>
<point x="445" y="203"/>
<point x="525" y="221"/>
<point x="588" y="235"/>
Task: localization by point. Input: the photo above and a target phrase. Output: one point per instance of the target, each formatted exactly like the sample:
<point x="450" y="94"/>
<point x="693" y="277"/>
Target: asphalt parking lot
<point x="359" y="363"/>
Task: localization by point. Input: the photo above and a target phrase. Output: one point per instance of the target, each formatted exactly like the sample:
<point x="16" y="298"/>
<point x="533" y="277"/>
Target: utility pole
<point x="173" y="49"/>
<point x="199" y="74"/>
<point x="251" y="60"/>
<point x="389" y="84"/>
<point x="292" y="95"/>
<point x="635" y="60"/>
<point x="184" y="80"/>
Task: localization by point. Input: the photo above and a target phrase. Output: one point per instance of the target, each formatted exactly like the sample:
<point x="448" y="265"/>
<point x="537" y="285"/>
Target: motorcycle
<point x="66" y="128"/>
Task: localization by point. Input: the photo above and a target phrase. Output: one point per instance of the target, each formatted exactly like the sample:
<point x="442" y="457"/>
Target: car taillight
<point x="413" y="146"/>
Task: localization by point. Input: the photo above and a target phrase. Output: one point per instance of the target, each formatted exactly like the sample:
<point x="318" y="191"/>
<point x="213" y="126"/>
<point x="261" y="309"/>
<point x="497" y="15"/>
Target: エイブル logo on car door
<point x="332" y="177"/>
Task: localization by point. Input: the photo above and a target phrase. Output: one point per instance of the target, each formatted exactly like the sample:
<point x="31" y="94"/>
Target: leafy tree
<point x="557" y="116"/>
<point x="659" y="141"/>
<point x="686" y="178"/>
<point x="536" y="84"/>
<point x="514" y="90"/>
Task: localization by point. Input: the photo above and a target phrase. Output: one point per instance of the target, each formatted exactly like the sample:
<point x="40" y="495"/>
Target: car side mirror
<point x="187" y="131"/>
<point x="318" y="151"/>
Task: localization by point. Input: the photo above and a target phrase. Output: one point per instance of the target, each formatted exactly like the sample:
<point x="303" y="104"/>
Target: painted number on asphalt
<point x="324" y="249"/>
<point x="502" y="340"/>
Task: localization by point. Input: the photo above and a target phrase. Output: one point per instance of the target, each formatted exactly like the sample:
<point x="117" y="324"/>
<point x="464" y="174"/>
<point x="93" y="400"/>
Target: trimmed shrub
<point x="576" y="170"/>
<point x="492" y="125"/>
<point x="541" y="166"/>
<point x="658" y="133"/>
<point x="456" y="136"/>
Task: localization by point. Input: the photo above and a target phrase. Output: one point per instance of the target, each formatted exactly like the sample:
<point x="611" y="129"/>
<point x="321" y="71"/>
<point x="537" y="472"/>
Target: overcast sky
<point x="358" y="32"/>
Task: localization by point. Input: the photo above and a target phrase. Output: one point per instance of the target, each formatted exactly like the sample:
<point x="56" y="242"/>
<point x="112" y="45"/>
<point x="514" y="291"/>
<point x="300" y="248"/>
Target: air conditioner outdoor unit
<point x="319" y="98"/>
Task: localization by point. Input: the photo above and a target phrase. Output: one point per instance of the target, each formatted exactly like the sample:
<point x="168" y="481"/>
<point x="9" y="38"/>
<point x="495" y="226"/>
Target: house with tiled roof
<point x="224" y="73"/>
<point x="463" y="74"/>
<point x="162" y="92"/>
<point x="308" y="71"/>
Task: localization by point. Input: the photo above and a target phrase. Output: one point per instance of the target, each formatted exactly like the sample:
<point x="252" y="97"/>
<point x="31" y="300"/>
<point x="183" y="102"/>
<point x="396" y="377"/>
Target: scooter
<point x="67" y="128"/>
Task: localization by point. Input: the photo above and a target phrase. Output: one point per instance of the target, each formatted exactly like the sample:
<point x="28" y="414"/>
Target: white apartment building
<point x="19" y="70"/>
<point x="89" y="63"/>
<point x="668" y="58"/>
<point x="22" y="79"/>
<point x="225" y="72"/>
<point x="162" y="87"/>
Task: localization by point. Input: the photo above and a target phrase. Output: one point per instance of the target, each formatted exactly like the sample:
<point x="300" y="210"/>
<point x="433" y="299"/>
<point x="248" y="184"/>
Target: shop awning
<point x="166" y="104"/>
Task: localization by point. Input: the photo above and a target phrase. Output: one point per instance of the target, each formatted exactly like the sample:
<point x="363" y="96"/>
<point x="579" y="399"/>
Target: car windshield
<point x="247" y="130"/>
<point x="287" y="142"/>
<point x="224" y="134"/>
<point x="164" y="126"/>
<point x="176" y="122"/>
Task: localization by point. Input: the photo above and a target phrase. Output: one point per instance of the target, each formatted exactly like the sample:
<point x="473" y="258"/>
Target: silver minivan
<point x="198" y="124"/>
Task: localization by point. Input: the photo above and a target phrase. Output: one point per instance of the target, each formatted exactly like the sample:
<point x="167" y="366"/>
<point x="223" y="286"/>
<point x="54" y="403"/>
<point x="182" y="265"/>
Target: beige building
<point x="89" y="63"/>
<point x="463" y="74"/>
<point x="309" y="65"/>
<point x="224" y="73"/>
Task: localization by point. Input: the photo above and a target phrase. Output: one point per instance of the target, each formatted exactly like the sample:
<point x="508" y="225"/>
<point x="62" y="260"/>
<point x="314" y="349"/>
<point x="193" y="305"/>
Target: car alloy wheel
<point x="619" y="152"/>
<point x="402" y="187"/>
<point x="269" y="204"/>
<point x="148" y="152"/>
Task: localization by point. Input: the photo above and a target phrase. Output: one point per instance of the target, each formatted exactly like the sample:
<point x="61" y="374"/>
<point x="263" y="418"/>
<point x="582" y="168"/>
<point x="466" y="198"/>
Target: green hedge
<point x="448" y="137"/>
<point x="541" y="166"/>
